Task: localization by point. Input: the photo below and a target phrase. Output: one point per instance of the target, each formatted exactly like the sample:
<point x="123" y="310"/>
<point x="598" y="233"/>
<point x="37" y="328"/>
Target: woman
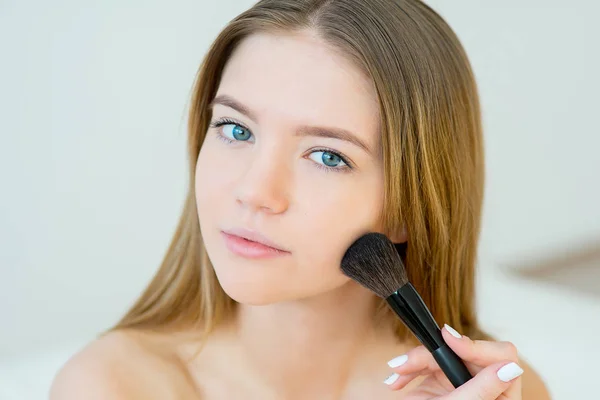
<point x="312" y="123"/>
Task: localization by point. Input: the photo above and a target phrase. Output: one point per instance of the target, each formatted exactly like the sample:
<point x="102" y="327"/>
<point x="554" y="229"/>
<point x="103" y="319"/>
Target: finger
<point x="409" y="366"/>
<point x="490" y="383"/>
<point x="416" y="360"/>
<point x="396" y="381"/>
<point x="514" y="391"/>
<point x="421" y="360"/>
<point x="479" y="352"/>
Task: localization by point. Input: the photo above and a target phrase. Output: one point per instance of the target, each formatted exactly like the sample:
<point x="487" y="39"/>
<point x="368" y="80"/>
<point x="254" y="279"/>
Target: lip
<point x="254" y="236"/>
<point x="251" y="244"/>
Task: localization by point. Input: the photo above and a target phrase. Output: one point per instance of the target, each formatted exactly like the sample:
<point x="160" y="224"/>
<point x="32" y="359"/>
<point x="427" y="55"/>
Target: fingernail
<point x="509" y="372"/>
<point x="391" y="379"/>
<point x="452" y="331"/>
<point x="398" y="361"/>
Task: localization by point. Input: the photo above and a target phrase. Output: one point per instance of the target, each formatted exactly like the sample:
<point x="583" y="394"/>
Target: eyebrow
<point x="304" y="130"/>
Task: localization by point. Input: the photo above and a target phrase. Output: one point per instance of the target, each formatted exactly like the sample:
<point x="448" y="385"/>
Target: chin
<point x="251" y="283"/>
<point x="248" y="284"/>
<point x="252" y="293"/>
<point x="259" y="287"/>
<point x="261" y="292"/>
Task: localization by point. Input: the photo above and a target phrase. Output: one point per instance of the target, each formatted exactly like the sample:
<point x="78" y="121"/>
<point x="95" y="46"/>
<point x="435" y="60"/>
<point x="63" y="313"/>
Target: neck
<point x="313" y="348"/>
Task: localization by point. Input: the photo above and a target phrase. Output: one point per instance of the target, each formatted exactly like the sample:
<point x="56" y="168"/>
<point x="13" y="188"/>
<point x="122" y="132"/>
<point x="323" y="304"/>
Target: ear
<point x="400" y="237"/>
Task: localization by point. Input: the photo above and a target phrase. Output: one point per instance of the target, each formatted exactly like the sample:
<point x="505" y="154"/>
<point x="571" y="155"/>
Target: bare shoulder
<point x="118" y="365"/>
<point x="95" y="372"/>
<point x="534" y="387"/>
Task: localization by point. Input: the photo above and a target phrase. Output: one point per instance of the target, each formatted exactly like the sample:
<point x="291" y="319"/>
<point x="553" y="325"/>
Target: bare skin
<point x="303" y="330"/>
<point x="137" y="365"/>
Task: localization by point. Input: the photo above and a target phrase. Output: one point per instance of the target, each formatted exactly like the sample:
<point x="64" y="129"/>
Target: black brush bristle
<point x="373" y="261"/>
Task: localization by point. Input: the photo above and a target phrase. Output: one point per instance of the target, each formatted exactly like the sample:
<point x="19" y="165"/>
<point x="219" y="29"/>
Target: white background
<point x="93" y="102"/>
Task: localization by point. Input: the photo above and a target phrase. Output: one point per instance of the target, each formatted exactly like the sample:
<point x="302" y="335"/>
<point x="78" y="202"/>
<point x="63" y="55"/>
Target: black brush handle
<point x="452" y="366"/>
<point x="410" y="307"/>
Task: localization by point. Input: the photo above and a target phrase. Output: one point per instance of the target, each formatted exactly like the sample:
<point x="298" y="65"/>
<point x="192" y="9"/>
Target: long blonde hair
<point x="432" y="149"/>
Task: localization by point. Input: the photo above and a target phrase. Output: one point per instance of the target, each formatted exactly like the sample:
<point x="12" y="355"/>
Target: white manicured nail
<point x="391" y="379"/>
<point x="452" y="331"/>
<point x="509" y="372"/>
<point x="398" y="361"/>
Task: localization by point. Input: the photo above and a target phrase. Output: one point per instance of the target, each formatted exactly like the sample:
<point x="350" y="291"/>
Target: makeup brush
<point x="373" y="261"/>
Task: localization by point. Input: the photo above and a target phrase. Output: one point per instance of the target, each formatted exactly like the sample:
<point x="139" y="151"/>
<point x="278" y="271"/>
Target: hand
<point x="496" y="374"/>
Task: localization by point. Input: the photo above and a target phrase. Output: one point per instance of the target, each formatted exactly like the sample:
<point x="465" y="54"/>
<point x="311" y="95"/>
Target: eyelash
<point x="227" y="121"/>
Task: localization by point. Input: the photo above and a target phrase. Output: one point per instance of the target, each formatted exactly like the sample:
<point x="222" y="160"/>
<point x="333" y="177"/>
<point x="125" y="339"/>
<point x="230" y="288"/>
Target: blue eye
<point x="329" y="159"/>
<point x="326" y="160"/>
<point x="237" y="132"/>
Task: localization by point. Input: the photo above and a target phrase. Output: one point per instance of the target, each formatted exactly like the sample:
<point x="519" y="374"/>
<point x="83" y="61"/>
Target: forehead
<point x="295" y="78"/>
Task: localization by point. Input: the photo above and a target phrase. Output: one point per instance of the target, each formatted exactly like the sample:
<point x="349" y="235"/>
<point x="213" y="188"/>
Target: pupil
<point x="329" y="159"/>
<point x="239" y="133"/>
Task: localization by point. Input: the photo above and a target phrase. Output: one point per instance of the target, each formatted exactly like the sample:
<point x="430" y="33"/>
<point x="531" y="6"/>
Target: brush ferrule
<point x="410" y="307"/>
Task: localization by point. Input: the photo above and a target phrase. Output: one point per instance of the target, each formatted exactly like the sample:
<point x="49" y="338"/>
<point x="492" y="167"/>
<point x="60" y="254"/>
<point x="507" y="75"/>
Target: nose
<point x="264" y="186"/>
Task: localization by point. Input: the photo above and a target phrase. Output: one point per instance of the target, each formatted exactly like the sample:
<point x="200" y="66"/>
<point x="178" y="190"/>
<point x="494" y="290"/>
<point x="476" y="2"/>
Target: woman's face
<point x="267" y="170"/>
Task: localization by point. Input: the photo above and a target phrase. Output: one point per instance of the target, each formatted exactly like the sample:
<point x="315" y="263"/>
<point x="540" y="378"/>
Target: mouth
<point x="251" y="244"/>
<point x="253" y="236"/>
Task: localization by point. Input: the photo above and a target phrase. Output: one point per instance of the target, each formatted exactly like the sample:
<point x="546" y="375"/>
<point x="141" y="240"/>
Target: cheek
<point x="333" y="218"/>
<point x="344" y="207"/>
<point x="208" y="189"/>
<point x="211" y="179"/>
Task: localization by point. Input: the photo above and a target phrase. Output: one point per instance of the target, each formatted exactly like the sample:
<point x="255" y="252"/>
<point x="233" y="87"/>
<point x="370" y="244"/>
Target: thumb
<point x="488" y="384"/>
